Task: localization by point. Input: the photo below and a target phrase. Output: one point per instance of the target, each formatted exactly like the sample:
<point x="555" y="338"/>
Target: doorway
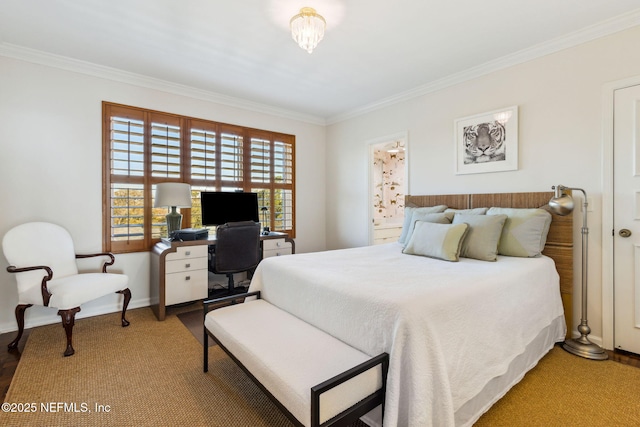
<point x="387" y="187"/>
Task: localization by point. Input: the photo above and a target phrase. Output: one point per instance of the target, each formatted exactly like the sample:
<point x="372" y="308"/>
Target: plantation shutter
<point x="125" y="168"/>
<point x="205" y="164"/>
<point x="204" y="154"/>
<point x="142" y="148"/>
<point x="282" y="161"/>
<point x="165" y="147"/>
<point x="231" y="159"/>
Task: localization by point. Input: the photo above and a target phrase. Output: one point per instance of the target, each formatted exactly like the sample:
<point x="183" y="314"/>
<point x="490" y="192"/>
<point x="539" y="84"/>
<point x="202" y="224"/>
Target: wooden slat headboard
<point x="559" y="244"/>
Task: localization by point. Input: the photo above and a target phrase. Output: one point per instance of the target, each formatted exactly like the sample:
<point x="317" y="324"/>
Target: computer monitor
<point x="220" y="207"/>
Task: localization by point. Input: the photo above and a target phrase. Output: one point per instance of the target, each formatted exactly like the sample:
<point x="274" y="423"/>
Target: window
<point x="142" y="148"/>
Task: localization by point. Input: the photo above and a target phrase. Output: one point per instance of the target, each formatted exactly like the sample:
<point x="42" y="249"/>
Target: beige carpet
<point x="565" y="391"/>
<point x="151" y="374"/>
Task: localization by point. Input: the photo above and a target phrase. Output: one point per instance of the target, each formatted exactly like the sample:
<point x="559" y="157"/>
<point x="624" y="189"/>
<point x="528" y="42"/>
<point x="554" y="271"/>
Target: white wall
<point x="560" y="142"/>
<point x="51" y="166"/>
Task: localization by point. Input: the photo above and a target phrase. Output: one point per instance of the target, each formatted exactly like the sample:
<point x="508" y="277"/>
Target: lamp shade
<point x="176" y="194"/>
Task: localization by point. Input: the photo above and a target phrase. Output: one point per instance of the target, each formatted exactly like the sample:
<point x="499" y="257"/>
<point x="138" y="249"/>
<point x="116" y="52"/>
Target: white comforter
<point x="448" y="327"/>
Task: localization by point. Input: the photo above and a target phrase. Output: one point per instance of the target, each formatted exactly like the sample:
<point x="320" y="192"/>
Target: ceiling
<point x="373" y="50"/>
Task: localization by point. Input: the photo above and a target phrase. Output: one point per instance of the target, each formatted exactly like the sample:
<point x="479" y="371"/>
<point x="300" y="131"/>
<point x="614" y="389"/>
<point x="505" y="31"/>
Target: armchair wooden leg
<point x="68" y="320"/>
<point x="20" y="309"/>
<point x="127" y="297"/>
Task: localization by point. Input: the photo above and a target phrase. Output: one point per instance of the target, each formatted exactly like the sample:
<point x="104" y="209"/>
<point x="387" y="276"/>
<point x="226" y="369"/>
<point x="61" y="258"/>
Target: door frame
<point x="608" y="331"/>
<point x="370" y="146"/>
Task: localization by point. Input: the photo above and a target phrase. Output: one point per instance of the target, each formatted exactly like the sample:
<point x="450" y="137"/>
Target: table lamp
<point x="173" y="195"/>
<point x="562" y="204"/>
<point x="265" y="229"/>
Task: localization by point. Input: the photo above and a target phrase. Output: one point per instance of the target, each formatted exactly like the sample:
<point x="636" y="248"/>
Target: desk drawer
<point x="275" y="244"/>
<point x="185" y="265"/>
<point x="186" y="252"/>
<point x="275" y="247"/>
<point x="186" y="286"/>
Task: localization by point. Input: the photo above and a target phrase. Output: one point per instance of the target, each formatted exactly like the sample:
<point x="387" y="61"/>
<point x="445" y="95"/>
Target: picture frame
<point x="487" y="142"/>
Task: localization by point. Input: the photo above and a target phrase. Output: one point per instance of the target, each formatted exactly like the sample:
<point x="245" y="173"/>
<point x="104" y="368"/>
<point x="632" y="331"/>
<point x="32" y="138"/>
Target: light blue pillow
<point x="408" y="212"/>
<point x="440" y="241"/>
<point x="525" y="231"/>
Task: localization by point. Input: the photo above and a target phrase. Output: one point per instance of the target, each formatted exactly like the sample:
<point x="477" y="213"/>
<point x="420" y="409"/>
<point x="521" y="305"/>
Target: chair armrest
<point x="46" y="295"/>
<point x="112" y="259"/>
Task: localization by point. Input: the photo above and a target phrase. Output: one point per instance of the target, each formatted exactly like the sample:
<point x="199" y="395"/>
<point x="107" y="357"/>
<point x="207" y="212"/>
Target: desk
<point x="179" y="270"/>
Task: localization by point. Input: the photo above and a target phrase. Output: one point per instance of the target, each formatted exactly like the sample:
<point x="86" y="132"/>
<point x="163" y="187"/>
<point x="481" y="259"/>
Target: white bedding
<point x="449" y="328"/>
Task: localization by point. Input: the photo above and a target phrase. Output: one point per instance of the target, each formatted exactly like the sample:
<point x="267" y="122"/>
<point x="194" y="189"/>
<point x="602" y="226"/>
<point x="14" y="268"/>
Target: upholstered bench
<point x="316" y="379"/>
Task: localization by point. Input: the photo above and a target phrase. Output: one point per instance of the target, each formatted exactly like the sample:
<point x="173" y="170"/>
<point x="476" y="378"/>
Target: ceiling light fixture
<point x="307" y="28"/>
<point x="396" y="149"/>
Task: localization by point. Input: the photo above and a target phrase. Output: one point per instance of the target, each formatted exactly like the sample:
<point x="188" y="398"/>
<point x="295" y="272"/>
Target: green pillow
<point x="481" y="241"/>
<point x="408" y="212"/>
<point x="440" y="218"/>
<point x="473" y="211"/>
<point x="525" y="231"/>
<point x="441" y="241"/>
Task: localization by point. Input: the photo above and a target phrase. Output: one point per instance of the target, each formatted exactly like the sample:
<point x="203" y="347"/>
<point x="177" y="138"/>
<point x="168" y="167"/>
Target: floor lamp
<point x="562" y="204"/>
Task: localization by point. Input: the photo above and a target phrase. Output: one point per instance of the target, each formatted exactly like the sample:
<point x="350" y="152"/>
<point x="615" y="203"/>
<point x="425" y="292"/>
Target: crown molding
<point x="83" y="67"/>
<point x="602" y="29"/>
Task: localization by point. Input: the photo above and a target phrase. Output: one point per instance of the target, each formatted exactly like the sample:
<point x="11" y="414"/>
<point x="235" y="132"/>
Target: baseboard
<point x="52" y="317"/>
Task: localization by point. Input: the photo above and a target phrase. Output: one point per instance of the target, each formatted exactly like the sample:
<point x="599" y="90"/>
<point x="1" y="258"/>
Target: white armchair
<point x="43" y="258"/>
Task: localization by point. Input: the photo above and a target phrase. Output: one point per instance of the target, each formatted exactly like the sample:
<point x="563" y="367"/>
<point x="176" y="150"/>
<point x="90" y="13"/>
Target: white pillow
<point x="441" y="241"/>
<point x="525" y="231"/>
<point x="408" y="211"/>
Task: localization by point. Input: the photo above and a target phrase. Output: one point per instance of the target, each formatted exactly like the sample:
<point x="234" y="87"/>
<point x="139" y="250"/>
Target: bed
<point x="459" y="335"/>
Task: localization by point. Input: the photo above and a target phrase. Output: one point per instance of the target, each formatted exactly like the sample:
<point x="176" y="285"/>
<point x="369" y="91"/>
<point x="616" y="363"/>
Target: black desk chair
<point x="237" y="249"/>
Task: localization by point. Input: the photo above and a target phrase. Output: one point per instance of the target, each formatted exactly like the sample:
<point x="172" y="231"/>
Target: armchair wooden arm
<point x="106" y="264"/>
<point x="46" y="295"/>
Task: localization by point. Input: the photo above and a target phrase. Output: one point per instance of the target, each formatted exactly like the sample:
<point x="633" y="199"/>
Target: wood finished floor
<point x="9" y="359"/>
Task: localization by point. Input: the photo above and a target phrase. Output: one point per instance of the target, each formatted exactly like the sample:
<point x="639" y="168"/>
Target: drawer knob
<point x="187" y="253"/>
<point x="187" y="265"/>
<point x="187" y="278"/>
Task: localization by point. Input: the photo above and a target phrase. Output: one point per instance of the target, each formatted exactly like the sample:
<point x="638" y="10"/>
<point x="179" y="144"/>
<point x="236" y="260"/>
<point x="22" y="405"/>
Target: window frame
<point x="147" y="179"/>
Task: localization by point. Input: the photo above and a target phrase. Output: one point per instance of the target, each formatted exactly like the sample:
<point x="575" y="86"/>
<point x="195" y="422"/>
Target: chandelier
<point x="307" y="28"/>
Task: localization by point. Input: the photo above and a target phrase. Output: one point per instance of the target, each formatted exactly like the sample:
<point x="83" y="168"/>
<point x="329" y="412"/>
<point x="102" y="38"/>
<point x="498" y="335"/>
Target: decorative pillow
<point x="474" y="211"/>
<point x="440" y="218"/>
<point x="441" y="241"/>
<point x="408" y="211"/>
<point x="525" y="231"/>
<point x="483" y="236"/>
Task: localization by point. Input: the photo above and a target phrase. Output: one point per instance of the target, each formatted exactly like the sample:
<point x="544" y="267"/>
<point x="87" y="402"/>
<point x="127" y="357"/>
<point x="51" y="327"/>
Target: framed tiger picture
<point x="487" y="142"/>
